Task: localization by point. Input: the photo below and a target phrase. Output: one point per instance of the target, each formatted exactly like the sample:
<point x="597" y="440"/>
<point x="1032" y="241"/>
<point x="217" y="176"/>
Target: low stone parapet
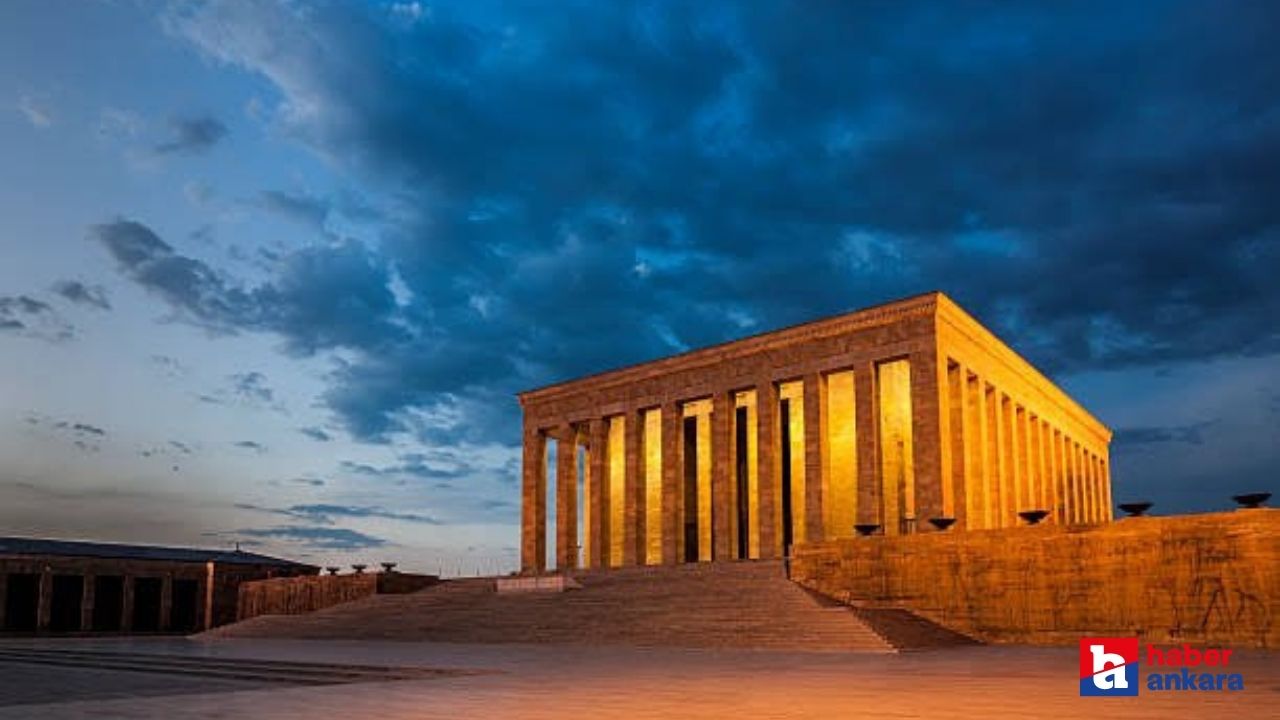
<point x="535" y="583"/>
<point x="1211" y="578"/>
<point x="298" y="595"/>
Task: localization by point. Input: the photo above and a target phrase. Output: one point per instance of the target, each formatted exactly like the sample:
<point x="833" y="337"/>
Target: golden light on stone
<point x="747" y="400"/>
<point x="793" y="392"/>
<point x="653" y="486"/>
<point x="897" y="466"/>
<point x="701" y="411"/>
<point x="896" y="415"/>
<point x="840" y="479"/>
<point x="617" y="487"/>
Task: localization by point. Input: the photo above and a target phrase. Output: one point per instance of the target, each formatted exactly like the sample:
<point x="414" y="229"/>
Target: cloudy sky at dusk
<point x="272" y="272"/>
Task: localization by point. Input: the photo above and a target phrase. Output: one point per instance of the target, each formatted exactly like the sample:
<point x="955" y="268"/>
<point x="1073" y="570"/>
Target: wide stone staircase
<point x="708" y="605"/>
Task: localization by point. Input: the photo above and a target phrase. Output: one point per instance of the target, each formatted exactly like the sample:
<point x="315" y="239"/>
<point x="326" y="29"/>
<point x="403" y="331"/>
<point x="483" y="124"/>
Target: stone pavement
<point x="547" y="681"/>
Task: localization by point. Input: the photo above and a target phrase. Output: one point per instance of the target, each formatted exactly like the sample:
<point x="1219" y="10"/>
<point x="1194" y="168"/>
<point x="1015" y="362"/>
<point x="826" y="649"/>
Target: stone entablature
<point x="891" y="416"/>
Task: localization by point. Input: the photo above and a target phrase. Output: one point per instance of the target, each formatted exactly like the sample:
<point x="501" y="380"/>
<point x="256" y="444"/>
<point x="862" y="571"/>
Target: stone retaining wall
<point x="1212" y="578"/>
<point x="298" y="595"/>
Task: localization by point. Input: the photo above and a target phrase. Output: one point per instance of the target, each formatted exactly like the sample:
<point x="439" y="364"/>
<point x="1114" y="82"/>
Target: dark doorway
<point x="182" y="615"/>
<point x="108" y="602"/>
<point x="22" y="602"/>
<point x="691" y="489"/>
<point x="65" y="604"/>
<point x="146" y="604"/>
<point x="784" y="416"/>
<point x="743" y="481"/>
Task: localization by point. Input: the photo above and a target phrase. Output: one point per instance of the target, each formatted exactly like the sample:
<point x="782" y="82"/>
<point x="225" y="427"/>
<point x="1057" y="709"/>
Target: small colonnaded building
<point x="904" y="416"/>
<point x="75" y="586"/>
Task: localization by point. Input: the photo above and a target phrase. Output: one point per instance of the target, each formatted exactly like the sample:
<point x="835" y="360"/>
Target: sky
<point x="271" y="273"/>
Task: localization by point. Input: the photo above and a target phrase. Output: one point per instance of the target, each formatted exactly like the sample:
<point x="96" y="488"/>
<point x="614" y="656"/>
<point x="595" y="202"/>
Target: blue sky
<point x="272" y="272"/>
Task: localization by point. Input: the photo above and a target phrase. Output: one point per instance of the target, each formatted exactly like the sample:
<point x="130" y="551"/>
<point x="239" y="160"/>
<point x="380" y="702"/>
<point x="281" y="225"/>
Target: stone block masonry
<point x="1211" y="579"/>
<point x="298" y="595"/>
<point x="896" y="416"/>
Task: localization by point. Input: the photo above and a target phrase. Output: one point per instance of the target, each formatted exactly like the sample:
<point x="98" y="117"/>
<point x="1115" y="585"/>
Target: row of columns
<point x="1005" y="459"/>
<point x="766" y="532"/>
<point x="88" y="600"/>
<point x="1001" y="458"/>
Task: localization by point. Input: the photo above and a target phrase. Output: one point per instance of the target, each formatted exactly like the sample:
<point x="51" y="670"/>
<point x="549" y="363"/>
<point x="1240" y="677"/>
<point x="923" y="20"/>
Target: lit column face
<point x="700" y="410"/>
<point x="616" y="472"/>
<point x="653" y="486"/>
<point x="551" y="502"/>
<point x="749" y="478"/>
<point x="792" y="393"/>
<point x="896" y="467"/>
<point x="841" y="477"/>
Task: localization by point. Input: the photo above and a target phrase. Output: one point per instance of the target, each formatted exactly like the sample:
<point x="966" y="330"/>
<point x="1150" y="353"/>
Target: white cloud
<point x="35" y="111"/>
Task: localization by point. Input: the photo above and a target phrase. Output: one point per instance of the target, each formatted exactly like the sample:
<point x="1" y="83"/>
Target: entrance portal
<point x="691" y="489"/>
<point x="22" y="602"/>
<point x="146" y="604"/>
<point x="784" y="416"/>
<point x="64" y="605"/>
<point x="108" y="602"/>
<point x="743" y="481"/>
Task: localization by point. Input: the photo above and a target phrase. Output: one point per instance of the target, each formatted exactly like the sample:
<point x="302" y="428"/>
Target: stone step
<point x="730" y="605"/>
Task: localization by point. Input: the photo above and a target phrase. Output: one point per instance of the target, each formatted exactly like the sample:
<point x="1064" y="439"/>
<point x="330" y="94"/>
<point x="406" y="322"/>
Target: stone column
<point x="1008" y="462"/>
<point x="1073" y="482"/>
<point x="210" y="568"/>
<point x="767" y="469"/>
<point x="44" y="603"/>
<point x="927" y="438"/>
<point x="867" y="431"/>
<point x="126" y="605"/>
<point x="598" y="493"/>
<point x="978" y="478"/>
<point x="1024" y="460"/>
<point x="960" y="441"/>
<point x="1109" y="515"/>
<point x="950" y="452"/>
<point x="672" y="484"/>
<point x="88" y="595"/>
<point x="566" y="499"/>
<point x="633" y="545"/>
<point x="815" y="456"/>
<point x="995" y="455"/>
<point x="533" y="506"/>
<point x="1095" y="481"/>
<point x="1046" y="479"/>
<point x="166" y="602"/>
<point x="724" y="540"/>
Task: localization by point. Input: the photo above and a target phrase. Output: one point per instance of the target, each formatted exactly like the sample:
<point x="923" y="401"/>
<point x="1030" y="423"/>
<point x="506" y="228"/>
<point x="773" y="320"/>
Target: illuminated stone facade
<point x="890" y="416"/>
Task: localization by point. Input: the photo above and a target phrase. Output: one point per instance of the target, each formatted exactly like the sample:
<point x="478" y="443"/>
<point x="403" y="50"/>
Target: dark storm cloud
<point x="436" y="465"/>
<point x="252" y="386"/>
<point x="305" y="209"/>
<point x="1137" y="437"/>
<point x="329" y="296"/>
<point x="82" y="294"/>
<point x="192" y="135"/>
<point x="315" y="433"/>
<point x="26" y="316"/>
<point x="1095" y="182"/>
<point x="319" y="538"/>
<point x="325" y="513"/>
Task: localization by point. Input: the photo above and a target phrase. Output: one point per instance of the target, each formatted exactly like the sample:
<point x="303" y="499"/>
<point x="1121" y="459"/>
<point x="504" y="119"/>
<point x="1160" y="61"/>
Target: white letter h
<point x="1113" y="678"/>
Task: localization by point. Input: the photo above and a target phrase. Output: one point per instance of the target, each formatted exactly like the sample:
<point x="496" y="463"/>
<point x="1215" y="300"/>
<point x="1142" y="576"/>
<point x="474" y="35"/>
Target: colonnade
<point x="899" y="445"/>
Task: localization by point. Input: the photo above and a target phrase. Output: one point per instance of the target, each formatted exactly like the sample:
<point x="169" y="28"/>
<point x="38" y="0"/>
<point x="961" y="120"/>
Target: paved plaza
<point x="545" y="681"/>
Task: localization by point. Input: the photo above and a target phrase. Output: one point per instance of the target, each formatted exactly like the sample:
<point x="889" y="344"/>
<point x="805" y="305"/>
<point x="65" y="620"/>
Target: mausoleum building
<point x="901" y="418"/>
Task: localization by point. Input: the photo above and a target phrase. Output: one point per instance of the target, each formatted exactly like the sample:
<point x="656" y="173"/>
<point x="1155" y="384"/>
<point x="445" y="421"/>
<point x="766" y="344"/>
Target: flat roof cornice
<point x="882" y="314"/>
